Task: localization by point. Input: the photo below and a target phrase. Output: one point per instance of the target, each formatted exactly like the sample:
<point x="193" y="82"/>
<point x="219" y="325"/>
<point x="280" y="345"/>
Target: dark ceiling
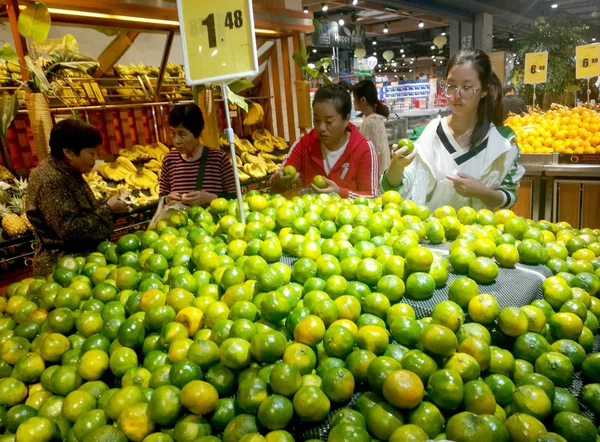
<point x="512" y="19"/>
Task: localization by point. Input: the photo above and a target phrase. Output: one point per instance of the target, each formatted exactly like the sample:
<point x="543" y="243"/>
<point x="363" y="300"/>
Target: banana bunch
<point x="264" y="145"/>
<point x="139" y="152"/>
<point x="263" y="135"/>
<point x="174" y="69"/>
<point x="155" y="190"/>
<point x="223" y="140"/>
<point x="141" y="179"/>
<point x="255" y="170"/>
<point x="97" y="184"/>
<point x="269" y="156"/>
<point x="126" y="70"/>
<point x="154" y="165"/>
<point x="242" y="146"/>
<point x="243" y="176"/>
<point x="157" y="150"/>
<point x="118" y="169"/>
<point x="255" y="115"/>
<point x="267" y="164"/>
<point x="135" y="152"/>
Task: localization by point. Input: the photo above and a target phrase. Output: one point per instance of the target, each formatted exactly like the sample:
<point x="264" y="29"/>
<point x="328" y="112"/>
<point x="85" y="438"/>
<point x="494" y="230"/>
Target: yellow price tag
<point x="218" y="40"/>
<point x="536" y="67"/>
<point x="587" y="61"/>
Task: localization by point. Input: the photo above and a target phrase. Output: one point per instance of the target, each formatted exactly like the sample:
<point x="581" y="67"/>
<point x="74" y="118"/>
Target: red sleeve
<point x="368" y="174"/>
<point x="293" y="158"/>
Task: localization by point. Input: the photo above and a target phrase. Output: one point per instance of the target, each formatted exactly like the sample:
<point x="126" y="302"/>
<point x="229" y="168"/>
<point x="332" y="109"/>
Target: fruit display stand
<point x="16" y="255"/>
<point x="415" y="335"/>
<point x="561" y="187"/>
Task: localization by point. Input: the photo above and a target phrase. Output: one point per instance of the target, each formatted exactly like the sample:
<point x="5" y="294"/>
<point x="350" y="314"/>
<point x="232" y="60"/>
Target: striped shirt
<point x="179" y="175"/>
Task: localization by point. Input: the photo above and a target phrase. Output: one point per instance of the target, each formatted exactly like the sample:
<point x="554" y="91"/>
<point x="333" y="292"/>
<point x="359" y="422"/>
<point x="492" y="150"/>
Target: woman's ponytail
<point x="382" y="109"/>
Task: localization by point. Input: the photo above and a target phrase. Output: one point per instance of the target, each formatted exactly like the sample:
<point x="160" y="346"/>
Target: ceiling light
<point x="403" y="55"/>
<point x="314" y="51"/>
<point x="341" y="21"/>
<point x="443" y="34"/>
<point x="510" y="37"/>
<point x="375" y="53"/>
<point x="421" y="24"/>
<point x="354" y="2"/>
<point x="374" y="42"/>
<point x="265" y="31"/>
<point x="305" y="10"/>
<point x="433" y="56"/>
<point x="402" y="51"/>
<point x="554" y="5"/>
<point x="411" y="62"/>
<point x="108" y="16"/>
<point x="593" y="38"/>
<point x="432" y="46"/>
<point x="410" y="70"/>
<point x="385" y="29"/>
<point x="324" y="7"/>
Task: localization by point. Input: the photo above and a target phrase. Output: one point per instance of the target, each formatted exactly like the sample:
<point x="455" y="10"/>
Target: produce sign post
<point x="536" y="69"/>
<point x="218" y="46"/>
<point x="588" y="63"/>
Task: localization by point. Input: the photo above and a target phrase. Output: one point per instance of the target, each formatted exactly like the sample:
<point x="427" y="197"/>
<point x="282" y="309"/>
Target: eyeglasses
<point x="464" y="92"/>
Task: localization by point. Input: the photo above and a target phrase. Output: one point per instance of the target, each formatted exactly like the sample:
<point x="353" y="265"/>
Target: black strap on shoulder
<point x="444" y="139"/>
<point x="201" y="168"/>
<point x="467" y="156"/>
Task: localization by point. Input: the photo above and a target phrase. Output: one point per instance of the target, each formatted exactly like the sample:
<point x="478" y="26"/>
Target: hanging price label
<point x="587" y="61"/>
<point x="536" y="67"/>
<point x="218" y="40"/>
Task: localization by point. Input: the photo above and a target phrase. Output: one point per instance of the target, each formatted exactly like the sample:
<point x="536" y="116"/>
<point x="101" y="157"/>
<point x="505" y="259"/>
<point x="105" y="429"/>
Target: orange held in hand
<point x="319" y="182"/>
<point x="405" y="142"/>
<point x="289" y="171"/>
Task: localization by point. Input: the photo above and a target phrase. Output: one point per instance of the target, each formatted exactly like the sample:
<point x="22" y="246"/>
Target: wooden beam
<point x="114" y="51"/>
<point x="12" y="8"/>
<point x="163" y="64"/>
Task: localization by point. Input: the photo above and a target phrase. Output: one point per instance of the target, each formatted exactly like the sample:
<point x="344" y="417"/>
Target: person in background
<point x="66" y="217"/>
<point x="512" y="103"/>
<point x="193" y="174"/>
<point x="467" y="158"/>
<point x="334" y="149"/>
<point x="374" y="115"/>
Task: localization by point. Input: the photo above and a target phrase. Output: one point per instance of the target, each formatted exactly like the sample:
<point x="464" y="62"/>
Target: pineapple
<point x="12" y="223"/>
<point x="5" y="174"/>
<point x="20" y="187"/>
<point x="4" y="192"/>
<point x="17" y="205"/>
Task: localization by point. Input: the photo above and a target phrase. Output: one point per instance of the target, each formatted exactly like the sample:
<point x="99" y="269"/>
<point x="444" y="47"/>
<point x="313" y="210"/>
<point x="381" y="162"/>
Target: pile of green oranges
<point x="198" y="331"/>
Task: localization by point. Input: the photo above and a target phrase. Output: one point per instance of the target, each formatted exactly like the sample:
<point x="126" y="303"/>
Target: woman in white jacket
<point x="467" y="158"/>
<point x="374" y="115"/>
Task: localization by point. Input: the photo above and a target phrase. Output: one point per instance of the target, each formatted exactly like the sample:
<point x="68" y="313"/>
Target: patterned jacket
<point x="66" y="217"/>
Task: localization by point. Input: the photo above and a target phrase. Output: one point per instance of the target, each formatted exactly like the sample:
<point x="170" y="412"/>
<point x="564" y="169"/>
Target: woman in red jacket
<point x="334" y="149"/>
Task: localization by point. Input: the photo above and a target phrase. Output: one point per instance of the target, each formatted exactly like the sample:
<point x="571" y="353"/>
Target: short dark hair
<point x="73" y="134"/>
<point x="507" y="89"/>
<point x="189" y="116"/>
<point x="337" y="94"/>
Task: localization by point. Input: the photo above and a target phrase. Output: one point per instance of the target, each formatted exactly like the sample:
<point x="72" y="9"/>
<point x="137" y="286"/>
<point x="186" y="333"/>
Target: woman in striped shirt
<point x="193" y="174"/>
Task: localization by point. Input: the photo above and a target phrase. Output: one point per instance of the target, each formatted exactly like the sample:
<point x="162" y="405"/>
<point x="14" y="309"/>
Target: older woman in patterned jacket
<point x="66" y="217"/>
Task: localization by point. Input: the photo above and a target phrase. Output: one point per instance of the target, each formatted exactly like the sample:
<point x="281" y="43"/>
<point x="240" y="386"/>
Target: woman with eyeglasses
<point x="467" y="158"/>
